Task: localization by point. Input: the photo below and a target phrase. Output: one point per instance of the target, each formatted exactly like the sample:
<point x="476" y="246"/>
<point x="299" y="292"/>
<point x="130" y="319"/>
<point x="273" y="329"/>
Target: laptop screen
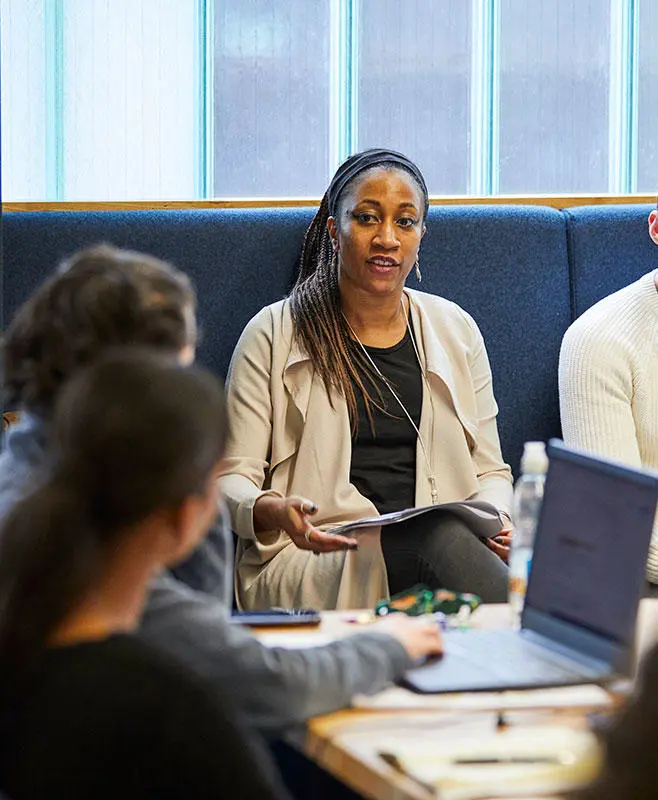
<point x="592" y="543"/>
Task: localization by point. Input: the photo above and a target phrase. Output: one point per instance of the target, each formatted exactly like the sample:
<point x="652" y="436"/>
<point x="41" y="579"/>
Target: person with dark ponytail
<point x="356" y="396"/>
<point x="86" y="708"/>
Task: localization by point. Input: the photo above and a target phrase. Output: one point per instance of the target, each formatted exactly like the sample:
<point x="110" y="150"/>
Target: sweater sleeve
<point x="596" y="391"/>
<point x="596" y="379"/>
<point x="274" y="688"/>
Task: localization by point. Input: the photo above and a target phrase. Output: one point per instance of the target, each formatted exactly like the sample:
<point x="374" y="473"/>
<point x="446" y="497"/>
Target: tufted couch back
<point x="523" y="272"/>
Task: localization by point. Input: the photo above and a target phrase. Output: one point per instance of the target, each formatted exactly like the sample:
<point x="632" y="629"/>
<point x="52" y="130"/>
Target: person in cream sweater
<point x="608" y="377"/>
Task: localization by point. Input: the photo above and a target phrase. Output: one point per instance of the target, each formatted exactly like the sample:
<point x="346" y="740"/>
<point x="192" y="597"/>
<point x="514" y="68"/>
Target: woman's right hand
<point x="291" y="514"/>
<point x="419" y="636"/>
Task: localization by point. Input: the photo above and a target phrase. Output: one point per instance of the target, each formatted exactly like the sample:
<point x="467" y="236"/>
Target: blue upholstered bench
<point x="523" y="272"/>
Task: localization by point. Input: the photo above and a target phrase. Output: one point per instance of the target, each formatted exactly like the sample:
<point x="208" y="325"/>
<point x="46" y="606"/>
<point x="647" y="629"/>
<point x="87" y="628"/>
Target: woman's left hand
<point x="501" y="544"/>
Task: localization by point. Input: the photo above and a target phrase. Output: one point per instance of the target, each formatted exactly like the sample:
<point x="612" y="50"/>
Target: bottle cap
<point x="535" y="460"/>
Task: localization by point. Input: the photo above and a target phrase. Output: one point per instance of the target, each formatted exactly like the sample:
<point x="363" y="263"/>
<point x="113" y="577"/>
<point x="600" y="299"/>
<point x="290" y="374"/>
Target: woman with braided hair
<point x="356" y="396"/>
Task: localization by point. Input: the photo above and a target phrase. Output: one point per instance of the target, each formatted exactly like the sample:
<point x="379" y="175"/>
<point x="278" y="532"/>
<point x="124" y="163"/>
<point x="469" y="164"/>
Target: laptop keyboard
<point x="511" y="657"/>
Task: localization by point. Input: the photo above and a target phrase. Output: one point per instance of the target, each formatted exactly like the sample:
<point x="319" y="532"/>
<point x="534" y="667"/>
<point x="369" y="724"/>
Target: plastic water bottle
<point x="528" y="494"/>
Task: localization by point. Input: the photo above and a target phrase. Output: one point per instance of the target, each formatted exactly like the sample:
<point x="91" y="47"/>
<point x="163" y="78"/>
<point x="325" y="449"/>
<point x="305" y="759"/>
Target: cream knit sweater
<point x="609" y="382"/>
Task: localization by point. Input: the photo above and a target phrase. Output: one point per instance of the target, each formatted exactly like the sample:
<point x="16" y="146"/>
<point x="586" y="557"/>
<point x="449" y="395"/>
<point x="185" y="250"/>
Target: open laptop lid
<point x="589" y="560"/>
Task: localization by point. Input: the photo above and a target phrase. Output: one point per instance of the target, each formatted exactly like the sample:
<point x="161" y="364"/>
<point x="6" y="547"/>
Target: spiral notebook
<point x="482" y="518"/>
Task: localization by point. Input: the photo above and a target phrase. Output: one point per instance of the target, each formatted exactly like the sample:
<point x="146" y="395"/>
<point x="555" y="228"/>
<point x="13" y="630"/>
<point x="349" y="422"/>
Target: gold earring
<point x="418" y="275"/>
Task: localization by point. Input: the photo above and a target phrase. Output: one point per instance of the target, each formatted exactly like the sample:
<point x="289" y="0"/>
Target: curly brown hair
<point x="101" y="297"/>
<point x="109" y="471"/>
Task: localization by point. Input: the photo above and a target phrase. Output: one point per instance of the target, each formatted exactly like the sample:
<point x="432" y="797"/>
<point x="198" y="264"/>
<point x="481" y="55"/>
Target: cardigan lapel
<point x="297" y="371"/>
<point x="436" y="360"/>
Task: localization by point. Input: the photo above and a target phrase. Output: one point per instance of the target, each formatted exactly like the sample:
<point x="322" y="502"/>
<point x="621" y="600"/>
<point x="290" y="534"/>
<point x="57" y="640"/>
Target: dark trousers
<point x="443" y="553"/>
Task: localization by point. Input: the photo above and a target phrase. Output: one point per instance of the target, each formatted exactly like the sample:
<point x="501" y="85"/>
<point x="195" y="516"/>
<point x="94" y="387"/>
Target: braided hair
<point x="315" y="301"/>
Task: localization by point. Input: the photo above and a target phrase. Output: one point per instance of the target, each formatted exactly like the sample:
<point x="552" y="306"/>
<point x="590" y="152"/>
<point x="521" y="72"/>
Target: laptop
<point x="586" y="580"/>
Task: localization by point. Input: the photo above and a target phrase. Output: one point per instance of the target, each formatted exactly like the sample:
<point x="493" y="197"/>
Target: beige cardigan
<point x="286" y="439"/>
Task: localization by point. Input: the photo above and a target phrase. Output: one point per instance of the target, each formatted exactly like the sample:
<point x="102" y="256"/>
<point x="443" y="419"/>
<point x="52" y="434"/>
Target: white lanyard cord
<point x="431" y="478"/>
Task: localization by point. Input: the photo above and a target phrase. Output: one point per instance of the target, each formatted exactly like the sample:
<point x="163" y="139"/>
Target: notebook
<point x="586" y="580"/>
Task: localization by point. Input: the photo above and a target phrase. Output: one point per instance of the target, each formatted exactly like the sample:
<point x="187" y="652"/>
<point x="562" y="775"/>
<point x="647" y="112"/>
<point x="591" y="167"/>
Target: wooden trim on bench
<point x="555" y="201"/>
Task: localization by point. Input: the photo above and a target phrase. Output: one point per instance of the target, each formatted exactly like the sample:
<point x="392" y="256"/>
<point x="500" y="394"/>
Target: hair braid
<point x="315" y="302"/>
<point x="319" y="324"/>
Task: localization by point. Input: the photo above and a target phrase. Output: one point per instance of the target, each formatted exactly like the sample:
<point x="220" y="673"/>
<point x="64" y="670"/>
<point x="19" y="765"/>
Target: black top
<point x="116" y="719"/>
<point x="383" y="466"/>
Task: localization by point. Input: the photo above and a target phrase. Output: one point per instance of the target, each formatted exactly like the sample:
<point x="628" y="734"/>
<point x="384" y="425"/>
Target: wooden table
<point x="347" y="743"/>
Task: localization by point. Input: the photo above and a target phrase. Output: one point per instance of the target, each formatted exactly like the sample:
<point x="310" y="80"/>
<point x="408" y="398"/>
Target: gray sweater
<point x="187" y="614"/>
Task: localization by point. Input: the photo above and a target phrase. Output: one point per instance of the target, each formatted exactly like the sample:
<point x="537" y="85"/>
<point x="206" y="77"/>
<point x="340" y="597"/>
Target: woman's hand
<point x="419" y="636"/>
<point x="291" y="514"/>
<point x="501" y="544"/>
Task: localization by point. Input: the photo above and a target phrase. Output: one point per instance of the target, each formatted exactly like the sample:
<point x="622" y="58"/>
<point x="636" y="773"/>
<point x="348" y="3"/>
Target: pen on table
<point x="507" y="760"/>
<point x="392" y="760"/>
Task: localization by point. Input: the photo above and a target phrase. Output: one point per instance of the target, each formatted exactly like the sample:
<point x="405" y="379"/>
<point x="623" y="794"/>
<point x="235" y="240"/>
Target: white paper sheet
<point x="588" y="696"/>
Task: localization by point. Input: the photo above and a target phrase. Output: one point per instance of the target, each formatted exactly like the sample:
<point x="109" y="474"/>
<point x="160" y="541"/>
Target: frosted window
<point x="647" y="171"/>
<point x="271" y="98"/>
<point x="126" y="100"/>
<point x="23" y="100"/>
<point x="129" y="99"/>
<point x="554" y="96"/>
<point x="414" y="62"/>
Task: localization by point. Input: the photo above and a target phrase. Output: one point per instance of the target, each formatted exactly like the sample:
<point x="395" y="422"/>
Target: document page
<point x="481" y="517"/>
